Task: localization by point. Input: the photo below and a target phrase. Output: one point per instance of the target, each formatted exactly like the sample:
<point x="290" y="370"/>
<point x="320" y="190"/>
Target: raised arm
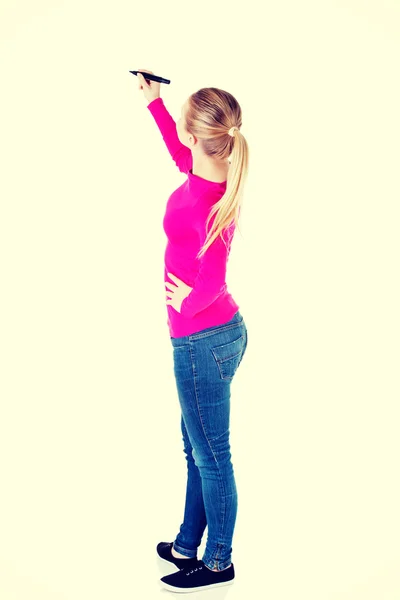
<point x="167" y="126"/>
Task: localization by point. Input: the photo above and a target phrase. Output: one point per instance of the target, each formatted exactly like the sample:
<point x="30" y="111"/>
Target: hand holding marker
<point x="151" y="84"/>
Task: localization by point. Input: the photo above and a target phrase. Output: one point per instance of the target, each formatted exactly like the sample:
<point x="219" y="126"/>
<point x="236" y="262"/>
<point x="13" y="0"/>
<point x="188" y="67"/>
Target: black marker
<point x="151" y="77"/>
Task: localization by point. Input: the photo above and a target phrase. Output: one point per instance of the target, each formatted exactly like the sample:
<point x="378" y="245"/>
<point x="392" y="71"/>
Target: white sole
<point x="172" y="588"/>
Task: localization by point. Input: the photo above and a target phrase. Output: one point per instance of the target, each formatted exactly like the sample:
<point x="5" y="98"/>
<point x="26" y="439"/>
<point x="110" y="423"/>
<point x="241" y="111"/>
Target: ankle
<point x="177" y="554"/>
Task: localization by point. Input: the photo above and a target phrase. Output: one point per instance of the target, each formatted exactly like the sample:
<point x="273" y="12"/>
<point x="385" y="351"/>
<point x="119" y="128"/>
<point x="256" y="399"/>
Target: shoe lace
<point x="194" y="570"/>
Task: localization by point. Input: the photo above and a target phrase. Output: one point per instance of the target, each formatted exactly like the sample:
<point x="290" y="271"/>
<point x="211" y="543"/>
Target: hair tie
<point x="232" y="130"/>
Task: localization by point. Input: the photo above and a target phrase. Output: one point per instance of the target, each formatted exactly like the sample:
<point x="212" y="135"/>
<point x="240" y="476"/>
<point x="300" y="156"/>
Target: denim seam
<point x="181" y="550"/>
<point x="196" y="336"/>
<point x="220" y="482"/>
<point x="218" y="436"/>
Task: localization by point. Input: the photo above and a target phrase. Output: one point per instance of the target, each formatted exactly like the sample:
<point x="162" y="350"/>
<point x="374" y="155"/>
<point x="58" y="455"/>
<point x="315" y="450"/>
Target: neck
<point x="214" y="170"/>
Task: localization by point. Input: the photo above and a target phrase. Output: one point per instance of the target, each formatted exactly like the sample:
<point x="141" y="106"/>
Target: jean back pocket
<point x="228" y="356"/>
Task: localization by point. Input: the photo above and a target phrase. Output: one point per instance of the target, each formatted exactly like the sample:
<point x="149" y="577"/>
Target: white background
<point x="93" y="473"/>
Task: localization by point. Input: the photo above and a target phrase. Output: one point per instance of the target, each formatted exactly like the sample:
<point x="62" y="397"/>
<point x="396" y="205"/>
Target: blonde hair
<point x="211" y="112"/>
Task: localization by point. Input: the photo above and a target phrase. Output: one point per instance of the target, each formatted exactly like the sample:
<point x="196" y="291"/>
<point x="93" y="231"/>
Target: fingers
<point x="142" y="78"/>
<point x="151" y="89"/>
<point x="143" y="81"/>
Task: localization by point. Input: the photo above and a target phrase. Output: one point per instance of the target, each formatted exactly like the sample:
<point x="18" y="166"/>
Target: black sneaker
<point x="197" y="577"/>
<point x="164" y="552"/>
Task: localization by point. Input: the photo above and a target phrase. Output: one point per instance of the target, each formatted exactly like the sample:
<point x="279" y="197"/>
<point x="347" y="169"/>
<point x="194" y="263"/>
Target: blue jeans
<point x="204" y="365"/>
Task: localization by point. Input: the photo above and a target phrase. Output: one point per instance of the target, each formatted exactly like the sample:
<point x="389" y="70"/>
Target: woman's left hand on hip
<point x="177" y="293"/>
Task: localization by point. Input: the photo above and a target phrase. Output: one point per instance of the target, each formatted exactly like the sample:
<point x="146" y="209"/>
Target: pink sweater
<point x="209" y="303"/>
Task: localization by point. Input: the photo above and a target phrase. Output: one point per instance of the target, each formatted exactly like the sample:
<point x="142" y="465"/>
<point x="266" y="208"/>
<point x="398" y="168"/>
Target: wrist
<point x="152" y="100"/>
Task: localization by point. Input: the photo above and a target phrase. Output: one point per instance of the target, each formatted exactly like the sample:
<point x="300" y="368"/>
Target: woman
<point x="207" y="331"/>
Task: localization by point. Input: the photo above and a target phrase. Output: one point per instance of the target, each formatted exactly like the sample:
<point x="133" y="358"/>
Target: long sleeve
<point x="210" y="279"/>
<point x="180" y="153"/>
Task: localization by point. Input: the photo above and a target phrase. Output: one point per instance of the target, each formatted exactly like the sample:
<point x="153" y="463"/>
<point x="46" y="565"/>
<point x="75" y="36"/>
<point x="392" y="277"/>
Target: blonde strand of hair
<point x="227" y="209"/>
